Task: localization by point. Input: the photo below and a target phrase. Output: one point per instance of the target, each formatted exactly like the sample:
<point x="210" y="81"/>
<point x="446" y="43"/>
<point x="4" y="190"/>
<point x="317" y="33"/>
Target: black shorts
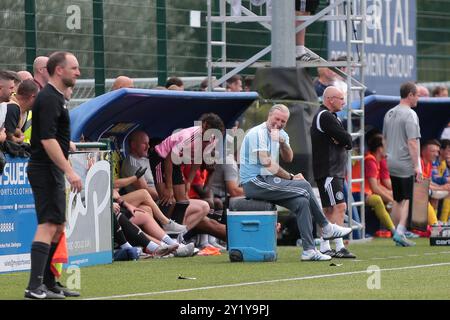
<point x="331" y="191"/>
<point x="402" y="188"/>
<point x="49" y="191"/>
<point x="306" y="5"/>
<point x="157" y="166"/>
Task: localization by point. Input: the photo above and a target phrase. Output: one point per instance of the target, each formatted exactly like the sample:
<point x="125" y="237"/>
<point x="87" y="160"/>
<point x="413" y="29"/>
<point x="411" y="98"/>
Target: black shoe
<point x="42" y="292"/>
<point x="344" y="254"/>
<point x="331" y="253"/>
<point x="60" y="289"/>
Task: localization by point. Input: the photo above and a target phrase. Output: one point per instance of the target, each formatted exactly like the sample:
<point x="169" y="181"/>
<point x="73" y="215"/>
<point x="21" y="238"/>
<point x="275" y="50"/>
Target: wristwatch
<point x="291" y="176"/>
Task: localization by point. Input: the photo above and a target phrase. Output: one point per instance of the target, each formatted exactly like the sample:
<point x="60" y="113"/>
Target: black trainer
<point x="60" y="289"/>
<point x="42" y="292"/>
<point x="345" y="254"/>
<point x="331" y="253"/>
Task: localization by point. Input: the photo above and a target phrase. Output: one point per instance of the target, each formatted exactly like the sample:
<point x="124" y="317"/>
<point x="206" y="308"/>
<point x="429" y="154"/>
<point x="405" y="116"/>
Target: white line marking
<point x="263" y="282"/>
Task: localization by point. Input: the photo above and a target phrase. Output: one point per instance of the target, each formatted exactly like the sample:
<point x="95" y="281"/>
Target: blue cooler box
<point x="251" y="233"/>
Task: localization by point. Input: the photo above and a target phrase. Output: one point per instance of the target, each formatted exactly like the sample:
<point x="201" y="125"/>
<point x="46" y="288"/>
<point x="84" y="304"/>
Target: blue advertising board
<point x="390" y="49"/>
<point x="88" y="215"/>
<point x="17" y="216"/>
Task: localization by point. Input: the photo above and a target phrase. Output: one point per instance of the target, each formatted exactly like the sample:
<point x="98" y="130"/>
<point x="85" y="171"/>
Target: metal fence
<point x="158" y="38"/>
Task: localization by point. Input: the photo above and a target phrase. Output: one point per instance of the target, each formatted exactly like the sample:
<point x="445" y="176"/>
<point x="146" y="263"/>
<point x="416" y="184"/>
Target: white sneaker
<point x="335" y="232"/>
<point x="314" y="255"/>
<point x="174" y="228"/>
<point x="164" y="250"/>
<point x="185" y="250"/>
<point x="213" y="241"/>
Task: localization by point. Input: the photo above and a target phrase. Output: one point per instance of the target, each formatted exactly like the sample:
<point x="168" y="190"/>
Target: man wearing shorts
<point x="50" y="141"/>
<point x="330" y="142"/>
<point x="401" y="131"/>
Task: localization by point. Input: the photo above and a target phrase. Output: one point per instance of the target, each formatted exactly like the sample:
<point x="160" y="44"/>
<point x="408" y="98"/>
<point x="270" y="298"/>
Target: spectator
<point x="17" y="81"/>
<point x="17" y="119"/>
<point x="122" y="82"/>
<point x="264" y="179"/>
<point x="304" y="8"/>
<point x="40" y="71"/>
<point x="24" y="75"/>
<point x="6" y="85"/>
<point x="401" y="131"/>
<point x="439" y="91"/>
<point x="175" y="81"/>
<point x="6" y="90"/>
<point x="330" y="142"/>
<point x="248" y="82"/>
<point x="234" y="84"/>
<point x="174" y="87"/>
<point x="204" y="85"/>
<point x="326" y="78"/>
<point x="423" y="91"/>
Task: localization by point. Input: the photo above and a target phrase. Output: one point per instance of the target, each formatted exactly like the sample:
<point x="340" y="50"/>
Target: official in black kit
<point x="50" y="142"/>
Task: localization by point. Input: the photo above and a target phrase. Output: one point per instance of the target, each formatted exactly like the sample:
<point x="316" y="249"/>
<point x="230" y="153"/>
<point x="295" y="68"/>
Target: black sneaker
<point x="306" y="57"/>
<point x="344" y="254"/>
<point x="60" y="289"/>
<point x="331" y="253"/>
<point x="42" y="292"/>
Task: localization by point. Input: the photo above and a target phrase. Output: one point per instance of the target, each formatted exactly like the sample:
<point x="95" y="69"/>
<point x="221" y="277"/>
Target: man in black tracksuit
<point x="330" y="142"/>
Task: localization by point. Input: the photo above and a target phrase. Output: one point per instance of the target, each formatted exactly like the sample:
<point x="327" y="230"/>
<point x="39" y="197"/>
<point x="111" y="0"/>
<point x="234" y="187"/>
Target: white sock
<point x="168" y="240"/>
<point x="300" y="50"/>
<point x="339" y="243"/>
<point x="126" y="245"/>
<point x="152" y="246"/>
<point x="401" y="229"/>
<point x="203" y="240"/>
<point x="324" y="245"/>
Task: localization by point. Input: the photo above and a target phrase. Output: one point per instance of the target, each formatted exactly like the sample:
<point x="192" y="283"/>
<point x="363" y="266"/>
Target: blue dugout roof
<point x="158" y="112"/>
<point x="433" y="113"/>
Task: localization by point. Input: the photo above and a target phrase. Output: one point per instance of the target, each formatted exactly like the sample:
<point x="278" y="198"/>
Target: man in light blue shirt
<point x="264" y="179"/>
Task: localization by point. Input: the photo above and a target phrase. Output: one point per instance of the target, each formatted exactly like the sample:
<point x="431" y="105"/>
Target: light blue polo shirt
<point x="258" y="139"/>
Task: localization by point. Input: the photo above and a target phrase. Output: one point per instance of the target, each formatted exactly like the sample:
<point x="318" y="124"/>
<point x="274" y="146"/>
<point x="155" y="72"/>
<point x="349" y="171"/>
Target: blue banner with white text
<point x="390" y="49"/>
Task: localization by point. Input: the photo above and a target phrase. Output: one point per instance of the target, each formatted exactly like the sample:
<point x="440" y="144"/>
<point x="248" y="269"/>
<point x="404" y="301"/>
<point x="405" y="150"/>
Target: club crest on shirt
<point x="339" y="195"/>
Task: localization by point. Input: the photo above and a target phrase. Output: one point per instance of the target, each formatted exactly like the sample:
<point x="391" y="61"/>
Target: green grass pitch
<point x="421" y="272"/>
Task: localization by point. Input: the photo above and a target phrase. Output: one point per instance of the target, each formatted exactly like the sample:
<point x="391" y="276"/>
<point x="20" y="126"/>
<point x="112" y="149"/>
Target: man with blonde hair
<point x="264" y="179"/>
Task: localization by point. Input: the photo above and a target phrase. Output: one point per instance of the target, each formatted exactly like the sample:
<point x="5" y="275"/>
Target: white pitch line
<point x="263" y="282"/>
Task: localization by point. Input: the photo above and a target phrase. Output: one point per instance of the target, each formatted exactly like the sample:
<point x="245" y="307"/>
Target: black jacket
<point x="330" y="142"/>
